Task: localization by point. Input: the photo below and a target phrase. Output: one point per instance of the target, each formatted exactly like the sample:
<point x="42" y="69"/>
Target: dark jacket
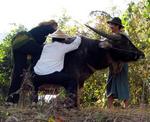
<point x="37" y="34"/>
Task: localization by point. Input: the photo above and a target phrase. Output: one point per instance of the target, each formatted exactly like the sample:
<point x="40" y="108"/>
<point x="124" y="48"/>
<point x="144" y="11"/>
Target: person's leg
<point x="34" y="59"/>
<point x="20" y="63"/>
<point x="126" y="103"/>
<point x="17" y="77"/>
<point x="34" y="50"/>
<point x="110" y="101"/>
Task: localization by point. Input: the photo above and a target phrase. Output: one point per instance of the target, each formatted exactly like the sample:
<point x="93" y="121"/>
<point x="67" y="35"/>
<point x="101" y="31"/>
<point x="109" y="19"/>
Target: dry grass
<point x="54" y="112"/>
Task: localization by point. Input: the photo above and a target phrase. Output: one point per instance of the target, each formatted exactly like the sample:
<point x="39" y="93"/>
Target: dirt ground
<point x="53" y="113"/>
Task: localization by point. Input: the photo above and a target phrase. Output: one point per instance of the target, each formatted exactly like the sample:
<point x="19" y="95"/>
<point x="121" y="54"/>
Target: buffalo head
<point x="119" y="48"/>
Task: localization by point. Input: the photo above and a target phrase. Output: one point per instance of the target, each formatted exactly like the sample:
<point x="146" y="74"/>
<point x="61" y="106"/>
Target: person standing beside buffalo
<point x="117" y="83"/>
<point x="24" y="44"/>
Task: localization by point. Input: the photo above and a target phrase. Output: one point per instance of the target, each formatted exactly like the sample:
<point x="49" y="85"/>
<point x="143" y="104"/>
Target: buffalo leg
<point x="35" y="95"/>
<point x="78" y="96"/>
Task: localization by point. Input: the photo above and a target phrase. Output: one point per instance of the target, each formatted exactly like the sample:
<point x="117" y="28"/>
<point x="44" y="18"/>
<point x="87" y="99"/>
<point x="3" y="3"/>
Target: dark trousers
<point x="19" y="64"/>
<point x="58" y="78"/>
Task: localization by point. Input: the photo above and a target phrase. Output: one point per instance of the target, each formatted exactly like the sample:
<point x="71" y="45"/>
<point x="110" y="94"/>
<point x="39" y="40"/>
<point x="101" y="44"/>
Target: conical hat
<point x="59" y="34"/>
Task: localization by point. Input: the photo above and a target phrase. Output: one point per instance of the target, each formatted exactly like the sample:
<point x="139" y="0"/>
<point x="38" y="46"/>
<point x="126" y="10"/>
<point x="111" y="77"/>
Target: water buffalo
<point x="89" y="57"/>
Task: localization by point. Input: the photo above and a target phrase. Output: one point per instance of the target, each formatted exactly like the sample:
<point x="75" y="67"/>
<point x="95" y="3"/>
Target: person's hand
<point x="104" y="44"/>
<point x="78" y="34"/>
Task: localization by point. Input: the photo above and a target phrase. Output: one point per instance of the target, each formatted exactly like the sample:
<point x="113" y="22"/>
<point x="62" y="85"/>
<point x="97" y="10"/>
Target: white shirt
<point x="52" y="57"/>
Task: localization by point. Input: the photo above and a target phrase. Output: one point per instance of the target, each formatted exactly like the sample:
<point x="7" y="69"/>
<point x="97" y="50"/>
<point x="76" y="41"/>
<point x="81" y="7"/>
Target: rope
<point x="123" y="50"/>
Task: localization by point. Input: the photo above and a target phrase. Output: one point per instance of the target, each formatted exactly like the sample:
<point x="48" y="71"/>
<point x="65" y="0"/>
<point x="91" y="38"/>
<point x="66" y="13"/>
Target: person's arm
<point x="111" y="37"/>
<point x="72" y="46"/>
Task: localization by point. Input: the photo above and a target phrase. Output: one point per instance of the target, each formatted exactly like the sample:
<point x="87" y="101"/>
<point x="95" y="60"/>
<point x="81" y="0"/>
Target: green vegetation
<point x="137" y="23"/>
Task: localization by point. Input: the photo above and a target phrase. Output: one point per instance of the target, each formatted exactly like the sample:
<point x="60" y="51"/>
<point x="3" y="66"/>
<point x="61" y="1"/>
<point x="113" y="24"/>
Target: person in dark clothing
<point x="24" y="44"/>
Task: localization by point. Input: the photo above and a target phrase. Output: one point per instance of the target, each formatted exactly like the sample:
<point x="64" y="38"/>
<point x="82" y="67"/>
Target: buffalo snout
<point x="141" y="55"/>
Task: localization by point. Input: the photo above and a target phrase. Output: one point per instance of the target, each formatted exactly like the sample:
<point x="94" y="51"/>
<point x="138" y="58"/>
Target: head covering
<point x="50" y="22"/>
<point x="117" y="21"/>
<point x="59" y="34"/>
